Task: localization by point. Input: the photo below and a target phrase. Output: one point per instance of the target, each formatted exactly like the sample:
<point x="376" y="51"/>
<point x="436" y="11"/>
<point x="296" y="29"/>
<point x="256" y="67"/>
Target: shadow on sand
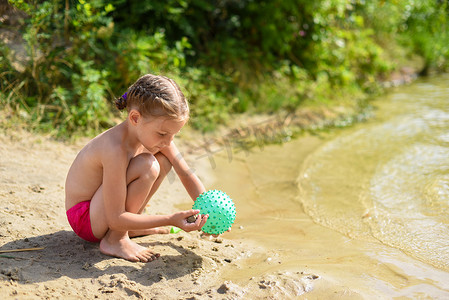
<point x="65" y="254"/>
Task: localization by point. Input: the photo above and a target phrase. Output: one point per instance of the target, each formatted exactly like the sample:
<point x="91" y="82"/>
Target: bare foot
<point x="157" y="230"/>
<point x="119" y="245"/>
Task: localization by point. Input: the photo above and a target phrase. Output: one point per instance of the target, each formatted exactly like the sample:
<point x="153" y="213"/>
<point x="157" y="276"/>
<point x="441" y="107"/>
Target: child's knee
<point x="148" y="165"/>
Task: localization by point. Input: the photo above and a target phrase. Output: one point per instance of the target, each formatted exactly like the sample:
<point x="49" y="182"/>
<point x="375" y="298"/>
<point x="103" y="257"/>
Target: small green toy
<point x="219" y="207"/>
<point x="175" y="229"/>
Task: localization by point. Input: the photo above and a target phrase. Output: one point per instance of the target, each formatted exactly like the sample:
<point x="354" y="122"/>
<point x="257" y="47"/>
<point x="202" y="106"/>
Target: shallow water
<point x="367" y="208"/>
<point x="389" y="179"/>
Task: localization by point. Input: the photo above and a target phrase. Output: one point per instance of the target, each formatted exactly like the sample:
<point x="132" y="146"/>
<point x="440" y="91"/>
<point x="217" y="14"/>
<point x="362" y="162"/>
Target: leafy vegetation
<point x="72" y="58"/>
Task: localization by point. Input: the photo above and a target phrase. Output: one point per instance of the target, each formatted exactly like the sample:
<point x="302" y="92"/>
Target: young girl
<point x="115" y="175"/>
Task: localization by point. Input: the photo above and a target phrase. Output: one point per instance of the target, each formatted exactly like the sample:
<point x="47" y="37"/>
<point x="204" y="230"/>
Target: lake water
<point x="366" y="207"/>
<point x="389" y="180"/>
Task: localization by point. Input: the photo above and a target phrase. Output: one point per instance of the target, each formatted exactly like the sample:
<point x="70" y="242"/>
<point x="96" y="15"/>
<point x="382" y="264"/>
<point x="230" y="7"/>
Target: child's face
<point x="157" y="133"/>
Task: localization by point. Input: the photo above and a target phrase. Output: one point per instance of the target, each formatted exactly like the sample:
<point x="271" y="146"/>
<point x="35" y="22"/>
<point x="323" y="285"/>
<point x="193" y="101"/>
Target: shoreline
<point x="349" y="265"/>
<point x="32" y="174"/>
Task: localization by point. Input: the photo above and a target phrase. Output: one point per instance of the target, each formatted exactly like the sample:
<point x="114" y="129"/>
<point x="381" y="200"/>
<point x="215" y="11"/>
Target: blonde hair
<point x="156" y="96"/>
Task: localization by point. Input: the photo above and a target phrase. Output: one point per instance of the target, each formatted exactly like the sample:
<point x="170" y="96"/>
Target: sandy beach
<point x="32" y="215"/>
<point x="274" y="251"/>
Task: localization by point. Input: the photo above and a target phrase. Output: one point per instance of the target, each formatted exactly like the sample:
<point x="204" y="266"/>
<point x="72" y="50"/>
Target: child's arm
<point x="114" y="190"/>
<point x="191" y="182"/>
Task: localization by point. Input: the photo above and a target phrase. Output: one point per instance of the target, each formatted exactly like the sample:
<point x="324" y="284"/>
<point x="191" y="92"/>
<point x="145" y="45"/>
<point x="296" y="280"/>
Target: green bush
<point x="230" y="56"/>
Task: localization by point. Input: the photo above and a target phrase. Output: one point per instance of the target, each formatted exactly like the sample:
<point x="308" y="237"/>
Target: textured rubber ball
<point x="220" y="208"/>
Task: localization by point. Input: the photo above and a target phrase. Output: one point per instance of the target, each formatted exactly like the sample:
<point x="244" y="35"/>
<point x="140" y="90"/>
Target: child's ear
<point x="134" y="116"/>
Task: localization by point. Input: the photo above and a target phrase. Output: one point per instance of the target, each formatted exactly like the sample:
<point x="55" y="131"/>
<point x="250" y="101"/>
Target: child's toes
<point x="155" y="256"/>
<point x="142" y="258"/>
<point x="150" y="256"/>
<point x="133" y="258"/>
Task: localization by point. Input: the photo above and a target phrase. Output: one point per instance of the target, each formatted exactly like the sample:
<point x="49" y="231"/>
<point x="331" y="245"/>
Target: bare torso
<point x="85" y="176"/>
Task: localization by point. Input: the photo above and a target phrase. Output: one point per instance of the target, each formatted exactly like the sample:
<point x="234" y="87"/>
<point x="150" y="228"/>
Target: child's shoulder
<point x="107" y="143"/>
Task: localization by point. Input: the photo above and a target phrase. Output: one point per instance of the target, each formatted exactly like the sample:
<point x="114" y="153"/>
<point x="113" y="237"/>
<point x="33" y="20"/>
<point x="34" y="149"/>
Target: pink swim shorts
<point x="79" y="219"/>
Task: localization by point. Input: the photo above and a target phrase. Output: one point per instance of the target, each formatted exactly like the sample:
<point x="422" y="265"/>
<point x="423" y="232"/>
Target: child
<point x="114" y="176"/>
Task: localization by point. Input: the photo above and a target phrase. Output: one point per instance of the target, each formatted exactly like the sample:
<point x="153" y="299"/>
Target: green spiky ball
<point x="219" y="207"/>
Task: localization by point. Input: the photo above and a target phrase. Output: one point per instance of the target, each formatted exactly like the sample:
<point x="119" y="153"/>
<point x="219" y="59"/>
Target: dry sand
<point x="32" y="175"/>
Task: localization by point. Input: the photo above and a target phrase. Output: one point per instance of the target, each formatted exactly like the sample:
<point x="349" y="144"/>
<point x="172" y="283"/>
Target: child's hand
<point x="179" y="220"/>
